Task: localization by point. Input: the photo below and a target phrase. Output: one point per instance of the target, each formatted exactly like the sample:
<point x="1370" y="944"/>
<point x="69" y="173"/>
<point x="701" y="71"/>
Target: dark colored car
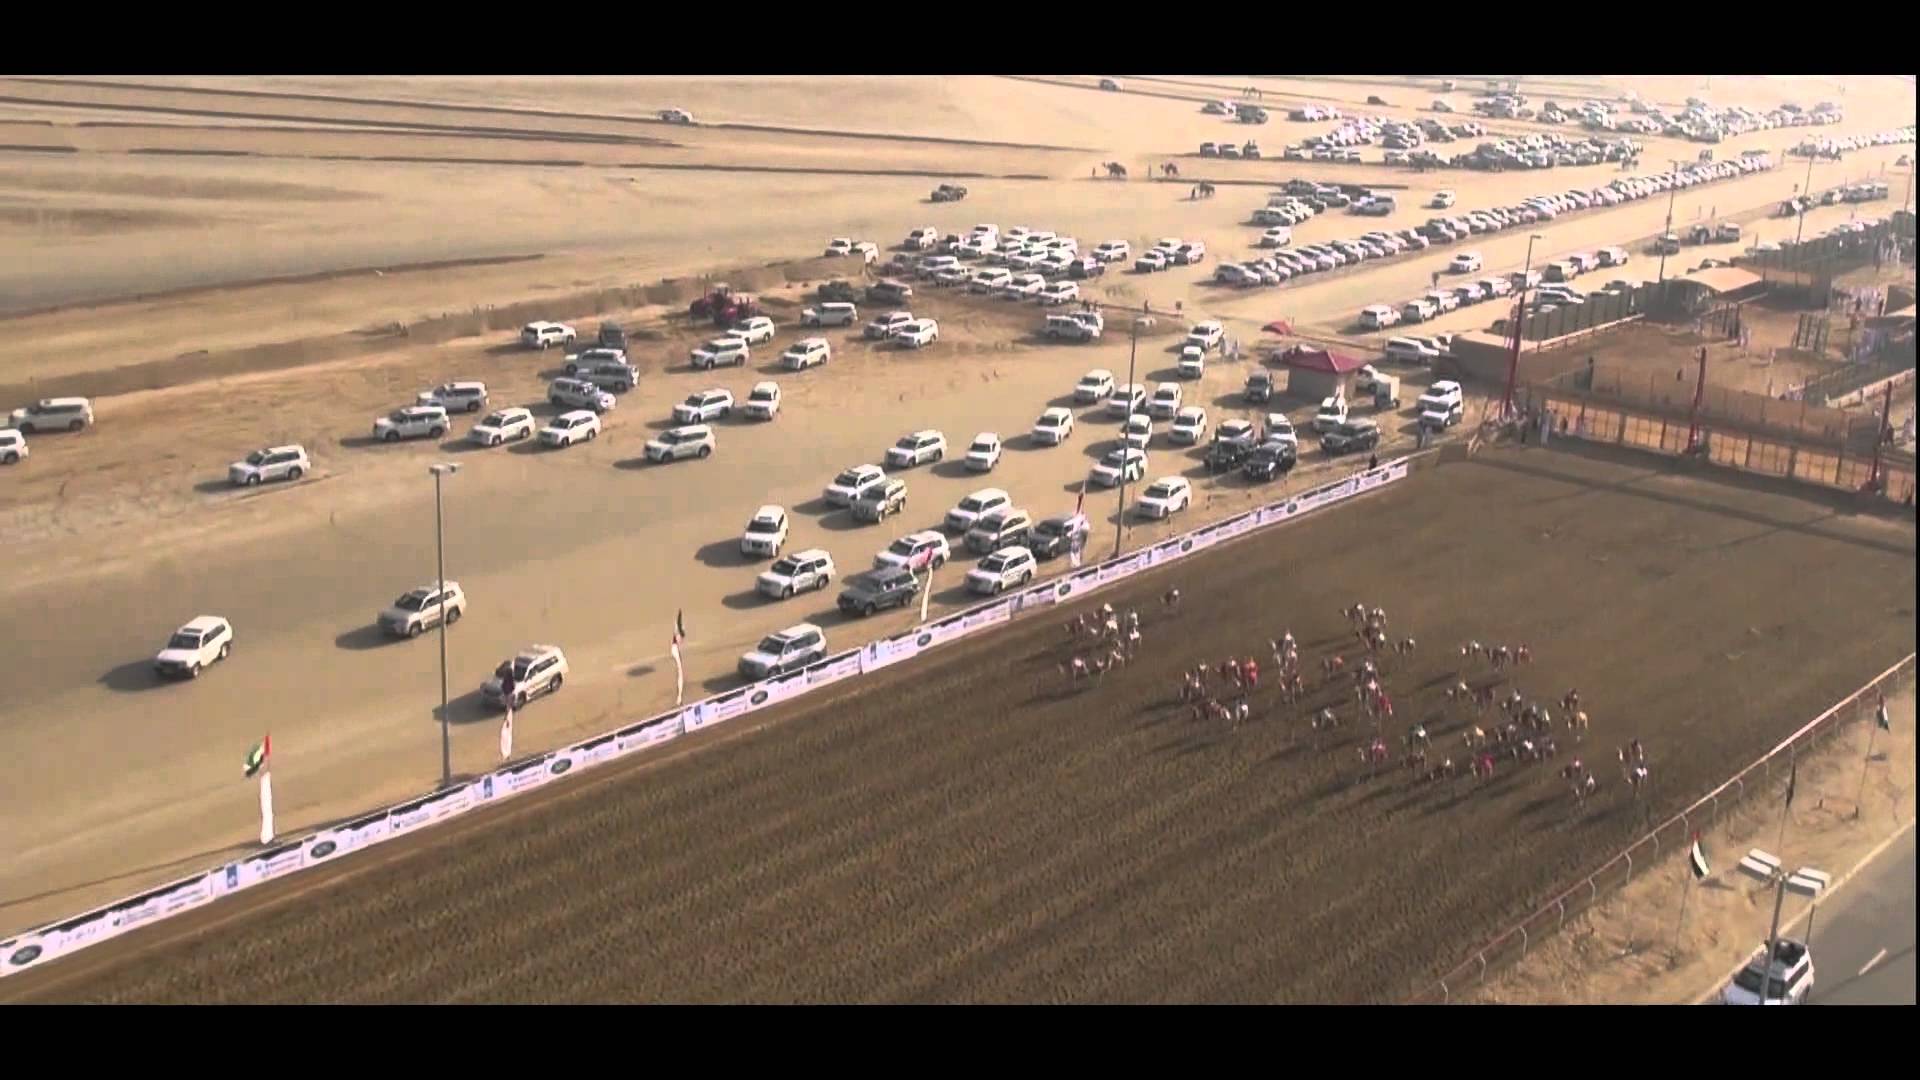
<point x="1260" y="386"/>
<point x="1269" y="461"/>
<point x="1086" y="267"/>
<point x="869" y="592"/>
<point x="1227" y="455"/>
<point x="1054" y="536"/>
<point x="1351" y="436"/>
<point x="837" y="291"/>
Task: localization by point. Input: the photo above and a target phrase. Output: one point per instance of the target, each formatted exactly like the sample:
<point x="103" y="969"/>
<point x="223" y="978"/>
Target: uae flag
<point x="257" y="757"/>
<point x="1698" y="859"/>
<point x="1793" y="781"/>
<point x="1880" y="716"/>
<point x="259" y="762"/>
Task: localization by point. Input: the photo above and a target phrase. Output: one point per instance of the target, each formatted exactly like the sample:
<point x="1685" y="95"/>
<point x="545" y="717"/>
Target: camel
<point x="1116" y="171"/>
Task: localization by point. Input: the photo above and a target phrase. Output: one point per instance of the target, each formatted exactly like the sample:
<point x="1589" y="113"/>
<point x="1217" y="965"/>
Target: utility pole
<point x="440" y="560"/>
<point x="1672" y="194"/>
<point x="1806" y="198"/>
<point x="1133" y="352"/>
<point x="1693" y="415"/>
<point x="1519" y="328"/>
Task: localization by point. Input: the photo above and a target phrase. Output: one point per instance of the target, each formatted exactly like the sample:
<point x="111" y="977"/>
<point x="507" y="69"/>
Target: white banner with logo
<point x="1125" y="566"/>
<point x="365" y="832"/>
<point x="512" y="780"/>
<point x="254" y="869"/>
<point x="131" y="913"/>
<point x="981" y="618"/>
<point x="409" y="816"/>
<point x="1037" y="596"/>
<point x="889" y="651"/>
<point x="560" y="763"/>
<point x="834" y="668"/>
<point x="320" y="847"/>
<point x="89" y="929"/>
<point x="657" y="730"/>
<point x="594" y="751"/>
<point x="1233" y="526"/>
<point x="23" y="952"/>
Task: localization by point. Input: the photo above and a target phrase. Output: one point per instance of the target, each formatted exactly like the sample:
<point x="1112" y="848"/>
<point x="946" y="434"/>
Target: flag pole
<point x="1880" y="719"/>
<point x="1680" y="927"/>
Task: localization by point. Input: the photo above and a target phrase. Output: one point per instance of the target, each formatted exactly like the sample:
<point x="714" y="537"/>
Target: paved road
<point x="1863" y="941"/>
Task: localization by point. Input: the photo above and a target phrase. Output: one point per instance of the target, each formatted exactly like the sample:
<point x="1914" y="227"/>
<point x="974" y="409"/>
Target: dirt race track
<point x="971" y="829"/>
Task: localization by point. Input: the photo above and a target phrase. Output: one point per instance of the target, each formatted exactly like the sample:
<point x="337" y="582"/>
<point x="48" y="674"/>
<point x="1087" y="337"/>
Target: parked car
<point x="888" y="325"/>
<point x="1270" y="460"/>
<point x="926" y="547"/>
<point x="875" y="503"/>
<point x="875" y="590"/>
<point x="1165" y="401"/>
<point x="1165" y="497"/>
<point x="1189" y="425"/>
<point x="1331" y="414"/>
<point x="1012" y="566"/>
<point x="1410" y="351"/>
<point x="970" y="509"/>
<point x="543" y="335"/>
<point x="754" y="330"/>
<point x="917" y="448"/>
<point x="687" y="441"/>
<point x="763" y="401"/>
<point x="837" y="313"/>
<point x="13" y="446"/>
<point x="1055" y="536"/>
<point x="421" y="609"/>
<point x="580" y="394"/>
<point x="704" y="406"/>
<point x="806" y="353"/>
<point x="918" y="334"/>
<point x="766" y="532"/>
<point x="1053" y="427"/>
<point x="412" y="422"/>
<point x="568" y="428"/>
<point x="1127" y="400"/>
<point x="789" y="650"/>
<point x="802" y="571"/>
<point x="1350" y="436"/>
<point x="1788" y="978"/>
<point x="1465" y="263"/>
<point x="202" y="642"/>
<point x="1095" y="385"/>
<point x="721" y="350"/>
<point x="984" y="453"/>
<point x="853" y="483"/>
<point x="1122" y="464"/>
<point x="455" y="396"/>
<point x="535" y="670"/>
<point x="273" y="463"/>
<point x="1001" y="528"/>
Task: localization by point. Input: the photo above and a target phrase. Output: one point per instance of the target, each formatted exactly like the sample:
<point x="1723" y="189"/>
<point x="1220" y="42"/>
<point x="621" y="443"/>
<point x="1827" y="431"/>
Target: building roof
<point x="1723" y="279"/>
<point x="1321" y="360"/>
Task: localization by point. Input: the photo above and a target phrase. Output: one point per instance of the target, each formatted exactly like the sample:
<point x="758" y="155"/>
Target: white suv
<point x="53" y="414"/>
<point x="501" y="426"/>
<point x="917" y="448"/>
<point x="766" y="532"/>
<point x="754" y="330"/>
<point x="455" y="396"/>
<point x="580" y="394"/>
<point x="721" y="350"/>
<point x="803" y="570"/>
<point x="273" y="463"/>
<point x="1053" y="427"/>
<point x="571" y="427"/>
<point x="852" y="484"/>
<point x="540" y="335"/>
<point x="917" y="334"/>
<point x="537" y="669"/>
<point x="802" y="355"/>
<point x="412" y="422"/>
<point x="693" y="440"/>
<point x="909" y="549"/>
<point x="889" y="324"/>
<point x="763" y="401"/>
<point x="1010" y="566"/>
<point x="205" y="640"/>
<point x="13" y="446"/>
<point x="704" y="407"/>
<point x="420" y="609"/>
<point x="792" y="648"/>
<point x="976" y="506"/>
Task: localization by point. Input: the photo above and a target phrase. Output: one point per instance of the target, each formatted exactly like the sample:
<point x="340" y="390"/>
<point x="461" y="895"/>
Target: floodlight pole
<point x="440" y="560"/>
<point x="1519" y="328"/>
<point x="1133" y="352"/>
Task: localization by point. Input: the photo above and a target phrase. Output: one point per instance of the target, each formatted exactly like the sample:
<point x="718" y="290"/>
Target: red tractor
<point x="724" y="306"/>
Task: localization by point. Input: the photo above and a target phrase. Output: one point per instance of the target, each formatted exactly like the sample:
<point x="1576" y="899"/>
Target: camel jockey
<point x="1250" y="672"/>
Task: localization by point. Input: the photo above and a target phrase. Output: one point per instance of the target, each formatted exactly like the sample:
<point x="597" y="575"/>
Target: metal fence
<point x="1670" y="835"/>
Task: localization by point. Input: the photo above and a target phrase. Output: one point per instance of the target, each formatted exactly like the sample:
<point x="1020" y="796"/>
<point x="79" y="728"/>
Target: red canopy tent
<point x="1318" y="373"/>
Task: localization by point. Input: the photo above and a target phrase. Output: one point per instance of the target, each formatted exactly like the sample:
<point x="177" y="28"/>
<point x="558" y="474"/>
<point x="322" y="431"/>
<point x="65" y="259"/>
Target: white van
<point x="1378" y="317"/>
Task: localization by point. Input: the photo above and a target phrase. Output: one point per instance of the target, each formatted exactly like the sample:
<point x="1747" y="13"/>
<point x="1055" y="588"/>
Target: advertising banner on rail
<point x="981" y="618"/>
<point x="1076" y="584"/>
<point x="1038" y="596"/>
<point x="77" y="933"/>
<point x="657" y="730"/>
<point x="130" y="913"/>
<point x="411" y="815"/>
<point x="888" y="651"/>
<point x="365" y="832"/>
<point x="512" y="780"/>
<point x="834" y="668"/>
<point x="265" y="866"/>
<point x="1125" y="566"/>
<point x="23" y="952"/>
<point x="594" y="751"/>
<point x="559" y="763"/>
<point x="320" y="847"/>
<point x="1234" y="526"/>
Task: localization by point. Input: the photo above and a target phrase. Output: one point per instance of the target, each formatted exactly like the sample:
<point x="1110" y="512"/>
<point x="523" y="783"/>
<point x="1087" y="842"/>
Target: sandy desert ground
<point x="156" y="212"/>
<point x="938" y="836"/>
